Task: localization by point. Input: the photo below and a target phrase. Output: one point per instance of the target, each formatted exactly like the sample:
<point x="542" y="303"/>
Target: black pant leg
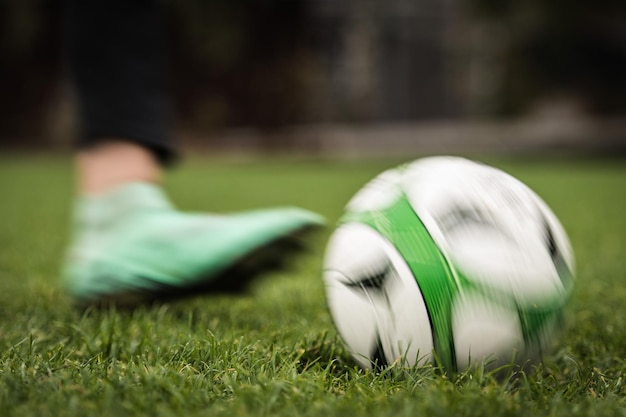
<point x="116" y="54"/>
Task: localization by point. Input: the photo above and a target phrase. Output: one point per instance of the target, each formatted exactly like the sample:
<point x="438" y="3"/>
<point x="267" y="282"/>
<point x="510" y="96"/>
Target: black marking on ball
<point x="459" y="215"/>
<point x="555" y="254"/>
<point x="377" y="357"/>
<point x="375" y="281"/>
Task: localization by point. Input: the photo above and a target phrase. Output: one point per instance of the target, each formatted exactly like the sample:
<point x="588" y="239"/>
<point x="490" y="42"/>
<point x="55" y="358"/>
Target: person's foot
<point x="132" y="246"/>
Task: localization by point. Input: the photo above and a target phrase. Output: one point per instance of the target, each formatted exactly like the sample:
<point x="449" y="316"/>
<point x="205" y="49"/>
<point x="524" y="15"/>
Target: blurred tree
<point x="266" y="63"/>
<point x="571" y="48"/>
<point x="30" y="65"/>
<point x="239" y="62"/>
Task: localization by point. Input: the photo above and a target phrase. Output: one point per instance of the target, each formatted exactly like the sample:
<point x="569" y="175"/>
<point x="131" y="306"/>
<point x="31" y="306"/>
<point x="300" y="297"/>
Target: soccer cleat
<point x="152" y="251"/>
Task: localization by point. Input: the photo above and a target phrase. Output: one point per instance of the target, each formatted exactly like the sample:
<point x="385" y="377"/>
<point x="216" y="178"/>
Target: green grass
<point x="275" y="351"/>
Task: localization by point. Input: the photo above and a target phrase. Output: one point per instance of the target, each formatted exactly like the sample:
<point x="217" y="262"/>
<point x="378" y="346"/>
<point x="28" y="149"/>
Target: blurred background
<point x="352" y="77"/>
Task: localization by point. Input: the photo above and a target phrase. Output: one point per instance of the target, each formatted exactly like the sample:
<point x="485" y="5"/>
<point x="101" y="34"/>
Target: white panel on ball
<point x="394" y="316"/>
<point x="485" y="332"/>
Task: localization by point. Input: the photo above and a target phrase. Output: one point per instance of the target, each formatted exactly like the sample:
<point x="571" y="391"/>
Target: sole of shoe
<point x="236" y="279"/>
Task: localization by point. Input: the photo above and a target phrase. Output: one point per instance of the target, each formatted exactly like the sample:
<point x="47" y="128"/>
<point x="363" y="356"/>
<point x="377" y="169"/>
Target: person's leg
<point x="112" y="163"/>
<point x="116" y="55"/>
<point x="129" y="242"/>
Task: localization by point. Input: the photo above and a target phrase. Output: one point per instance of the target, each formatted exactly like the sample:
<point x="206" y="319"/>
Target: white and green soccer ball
<point x="447" y="261"/>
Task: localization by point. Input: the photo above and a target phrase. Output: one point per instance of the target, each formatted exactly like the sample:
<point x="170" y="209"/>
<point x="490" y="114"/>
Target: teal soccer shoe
<point x="149" y="250"/>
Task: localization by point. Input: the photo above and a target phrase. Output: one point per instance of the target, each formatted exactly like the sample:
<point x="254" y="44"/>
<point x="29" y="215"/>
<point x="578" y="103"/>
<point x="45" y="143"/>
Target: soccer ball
<point x="447" y="261"/>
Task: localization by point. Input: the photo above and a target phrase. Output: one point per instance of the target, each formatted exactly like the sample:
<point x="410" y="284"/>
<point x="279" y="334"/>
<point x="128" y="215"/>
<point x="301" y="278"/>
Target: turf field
<point x="275" y="351"/>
